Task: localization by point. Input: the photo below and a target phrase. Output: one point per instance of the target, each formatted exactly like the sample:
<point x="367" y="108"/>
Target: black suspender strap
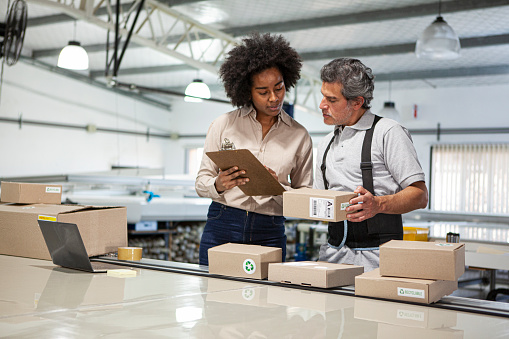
<point x="323" y="167"/>
<point x="366" y="164"/>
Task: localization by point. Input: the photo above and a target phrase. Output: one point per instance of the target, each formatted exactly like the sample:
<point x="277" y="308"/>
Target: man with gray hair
<point x="379" y="164"/>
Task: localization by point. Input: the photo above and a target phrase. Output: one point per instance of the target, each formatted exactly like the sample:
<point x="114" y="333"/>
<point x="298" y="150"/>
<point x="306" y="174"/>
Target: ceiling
<point x="381" y="33"/>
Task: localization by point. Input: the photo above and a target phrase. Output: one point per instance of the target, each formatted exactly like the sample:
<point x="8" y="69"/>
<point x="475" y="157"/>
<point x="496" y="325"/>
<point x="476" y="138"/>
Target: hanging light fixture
<point x="389" y="110"/>
<point x="73" y="56"/>
<point x="196" y="90"/>
<point x="438" y="41"/>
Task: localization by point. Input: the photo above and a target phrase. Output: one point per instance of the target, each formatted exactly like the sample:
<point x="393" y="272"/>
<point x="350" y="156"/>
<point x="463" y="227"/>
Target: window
<point x="193" y="160"/>
<point x="470" y="178"/>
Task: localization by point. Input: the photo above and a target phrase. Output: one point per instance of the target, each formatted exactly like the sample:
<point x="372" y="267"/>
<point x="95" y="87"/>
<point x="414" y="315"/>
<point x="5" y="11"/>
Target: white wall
<point x="45" y="96"/>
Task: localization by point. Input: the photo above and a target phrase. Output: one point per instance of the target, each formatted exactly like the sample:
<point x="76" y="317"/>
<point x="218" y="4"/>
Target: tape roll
<point x="129" y="253"/>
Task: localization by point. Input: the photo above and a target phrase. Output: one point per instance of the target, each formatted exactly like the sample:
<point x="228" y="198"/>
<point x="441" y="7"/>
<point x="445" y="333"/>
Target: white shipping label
<point x="321" y="208"/>
<point x="411" y="292"/>
<point x="52" y="189"/>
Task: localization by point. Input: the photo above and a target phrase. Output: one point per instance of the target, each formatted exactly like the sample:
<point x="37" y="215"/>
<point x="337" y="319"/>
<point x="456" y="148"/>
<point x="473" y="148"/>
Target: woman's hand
<point x="272" y="172"/>
<point x="229" y="179"/>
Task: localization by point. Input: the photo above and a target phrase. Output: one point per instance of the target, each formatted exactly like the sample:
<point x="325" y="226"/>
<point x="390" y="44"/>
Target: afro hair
<point x="254" y="55"/>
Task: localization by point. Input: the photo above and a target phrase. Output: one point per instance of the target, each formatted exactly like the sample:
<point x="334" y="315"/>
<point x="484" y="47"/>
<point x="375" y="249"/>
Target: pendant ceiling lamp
<point x="197" y="90"/>
<point x="389" y="110"/>
<point x="73" y="56"/>
<point x="438" y="41"/>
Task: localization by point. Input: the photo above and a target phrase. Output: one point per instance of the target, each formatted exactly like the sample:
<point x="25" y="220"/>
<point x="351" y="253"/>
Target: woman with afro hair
<point x="256" y="75"/>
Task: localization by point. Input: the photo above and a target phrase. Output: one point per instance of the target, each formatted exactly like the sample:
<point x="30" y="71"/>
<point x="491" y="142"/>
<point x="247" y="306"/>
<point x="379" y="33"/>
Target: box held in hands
<point x="314" y="204"/>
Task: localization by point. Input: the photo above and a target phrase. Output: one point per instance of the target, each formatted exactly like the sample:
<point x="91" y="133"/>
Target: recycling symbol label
<point x="248" y="293"/>
<point x="249" y="266"/>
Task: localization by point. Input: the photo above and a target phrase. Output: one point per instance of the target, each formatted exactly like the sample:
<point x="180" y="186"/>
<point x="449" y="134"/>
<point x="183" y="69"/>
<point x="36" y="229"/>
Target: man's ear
<point x="357" y="103"/>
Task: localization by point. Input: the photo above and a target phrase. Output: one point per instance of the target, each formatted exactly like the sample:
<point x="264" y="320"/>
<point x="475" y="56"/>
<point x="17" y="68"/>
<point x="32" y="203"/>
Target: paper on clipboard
<point x="261" y="182"/>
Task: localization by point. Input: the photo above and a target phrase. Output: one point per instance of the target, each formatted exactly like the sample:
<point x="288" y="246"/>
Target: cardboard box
<point x="296" y="297"/>
<point x="314" y="273"/>
<point x="245" y="261"/>
<point x="389" y="331"/>
<point x="103" y="229"/>
<point x="25" y="193"/>
<point x="313" y="204"/>
<point x="372" y="284"/>
<point x="422" y="260"/>
<point x="403" y="314"/>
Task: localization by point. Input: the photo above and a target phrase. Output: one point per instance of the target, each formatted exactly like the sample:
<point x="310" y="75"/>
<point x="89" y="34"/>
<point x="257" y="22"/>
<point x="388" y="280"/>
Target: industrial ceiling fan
<point x="13" y="32"/>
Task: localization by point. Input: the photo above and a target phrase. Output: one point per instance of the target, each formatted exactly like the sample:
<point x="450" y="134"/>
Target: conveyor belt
<point x="449" y="302"/>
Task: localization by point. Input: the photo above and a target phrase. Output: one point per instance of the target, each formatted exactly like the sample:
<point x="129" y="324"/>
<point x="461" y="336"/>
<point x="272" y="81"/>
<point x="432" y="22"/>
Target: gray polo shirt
<point x="395" y="163"/>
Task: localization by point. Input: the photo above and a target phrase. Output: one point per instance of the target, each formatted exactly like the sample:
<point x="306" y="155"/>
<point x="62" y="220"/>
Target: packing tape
<point x="129" y="253"/>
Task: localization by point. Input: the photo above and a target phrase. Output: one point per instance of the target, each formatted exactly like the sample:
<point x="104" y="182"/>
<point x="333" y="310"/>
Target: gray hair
<point x="356" y="78"/>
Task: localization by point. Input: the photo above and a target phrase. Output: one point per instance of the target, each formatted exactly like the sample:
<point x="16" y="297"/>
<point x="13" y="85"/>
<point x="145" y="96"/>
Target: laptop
<point x="66" y="247"/>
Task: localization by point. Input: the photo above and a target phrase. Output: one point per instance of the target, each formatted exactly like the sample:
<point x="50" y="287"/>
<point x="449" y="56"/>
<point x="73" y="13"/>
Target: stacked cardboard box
<point x="421" y="272"/>
<point x="103" y="229"/>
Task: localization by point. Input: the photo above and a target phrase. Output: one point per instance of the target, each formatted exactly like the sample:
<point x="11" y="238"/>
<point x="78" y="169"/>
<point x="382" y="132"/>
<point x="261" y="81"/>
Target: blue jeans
<point x="229" y="224"/>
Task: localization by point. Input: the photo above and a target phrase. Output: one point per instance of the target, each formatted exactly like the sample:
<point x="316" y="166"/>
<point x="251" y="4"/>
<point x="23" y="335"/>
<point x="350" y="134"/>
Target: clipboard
<point x="261" y="182"/>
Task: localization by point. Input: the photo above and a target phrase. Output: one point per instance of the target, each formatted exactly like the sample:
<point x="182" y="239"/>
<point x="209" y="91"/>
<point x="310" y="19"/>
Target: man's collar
<point x="365" y="122"/>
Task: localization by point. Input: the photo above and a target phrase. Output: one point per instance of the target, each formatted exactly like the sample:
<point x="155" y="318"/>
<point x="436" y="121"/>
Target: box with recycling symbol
<point x="244" y="261"/>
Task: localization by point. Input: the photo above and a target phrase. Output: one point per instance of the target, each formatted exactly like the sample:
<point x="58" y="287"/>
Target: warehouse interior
<point x="120" y="133"/>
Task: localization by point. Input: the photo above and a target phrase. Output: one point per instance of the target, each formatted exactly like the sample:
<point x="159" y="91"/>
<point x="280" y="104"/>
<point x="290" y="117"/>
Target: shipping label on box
<point x="29" y="193"/>
<point x="372" y="284"/>
<point x="314" y="273"/>
<point x="103" y="229"/>
<point x="422" y="260"/>
<point x="240" y="260"/>
<point x="313" y="204"/>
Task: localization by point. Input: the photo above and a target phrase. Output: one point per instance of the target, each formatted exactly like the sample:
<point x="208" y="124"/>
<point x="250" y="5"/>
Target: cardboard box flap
<point x="87" y="208"/>
<point x="40" y="208"/>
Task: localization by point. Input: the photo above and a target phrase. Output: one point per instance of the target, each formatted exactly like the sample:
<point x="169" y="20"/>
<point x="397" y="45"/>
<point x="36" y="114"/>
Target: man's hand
<point x="230" y="178"/>
<point x="365" y="206"/>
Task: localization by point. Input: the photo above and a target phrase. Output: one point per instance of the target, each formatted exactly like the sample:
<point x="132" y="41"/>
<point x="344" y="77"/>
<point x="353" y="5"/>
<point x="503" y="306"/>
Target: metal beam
<point x="444" y="73"/>
<point x="481" y="41"/>
<point x="59" y="18"/>
<point x="393" y="13"/>
<point x="90" y="81"/>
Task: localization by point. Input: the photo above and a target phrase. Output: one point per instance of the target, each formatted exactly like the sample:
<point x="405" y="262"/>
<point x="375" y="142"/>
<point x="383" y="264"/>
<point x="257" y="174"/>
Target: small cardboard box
<point x="372" y="284"/>
<point x="28" y="193"/>
<point x="245" y="261"/>
<point x="314" y="273"/>
<point x="313" y="204"/>
<point x="422" y="260"/>
<point x="103" y="229"/>
<point x="403" y="314"/>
